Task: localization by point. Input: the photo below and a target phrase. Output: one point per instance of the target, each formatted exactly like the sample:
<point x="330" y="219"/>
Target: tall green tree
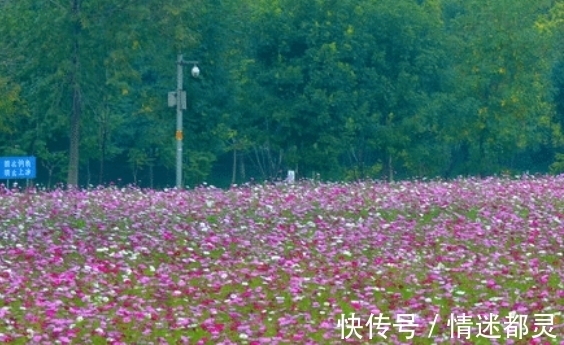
<point x="348" y="89"/>
<point x="96" y="49"/>
<point x="501" y="70"/>
<point x="338" y="79"/>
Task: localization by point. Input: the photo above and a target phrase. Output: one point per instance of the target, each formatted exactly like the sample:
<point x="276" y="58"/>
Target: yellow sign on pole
<point x="178" y="135"/>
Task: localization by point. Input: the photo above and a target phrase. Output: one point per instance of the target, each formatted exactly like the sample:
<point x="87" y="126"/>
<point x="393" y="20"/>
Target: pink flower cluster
<point x="278" y="264"/>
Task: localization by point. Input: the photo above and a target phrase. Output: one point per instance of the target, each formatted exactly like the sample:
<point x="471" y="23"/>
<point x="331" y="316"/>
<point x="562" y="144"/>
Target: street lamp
<point x="178" y="98"/>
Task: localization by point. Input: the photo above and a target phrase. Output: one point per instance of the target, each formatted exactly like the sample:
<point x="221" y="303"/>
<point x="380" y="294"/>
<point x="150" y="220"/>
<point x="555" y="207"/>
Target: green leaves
<point x="9" y="104"/>
<point x="501" y="63"/>
<point x="328" y="65"/>
<point x="409" y="88"/>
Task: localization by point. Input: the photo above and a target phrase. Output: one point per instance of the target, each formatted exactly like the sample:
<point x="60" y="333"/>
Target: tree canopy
<point x="337" y="90"/>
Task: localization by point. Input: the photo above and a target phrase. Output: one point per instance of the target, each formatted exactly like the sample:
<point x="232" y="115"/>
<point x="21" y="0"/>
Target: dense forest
<point x="335" y="90"/>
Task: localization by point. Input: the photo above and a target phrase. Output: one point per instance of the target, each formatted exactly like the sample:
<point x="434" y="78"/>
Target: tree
<point x="501" y="79"/>
<point x="93" y="49"/>
<point x="336" y="79"/>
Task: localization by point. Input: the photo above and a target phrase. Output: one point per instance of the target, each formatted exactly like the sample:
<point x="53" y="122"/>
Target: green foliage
<point x="558" y="166"/>
<point x="359" y="173"/>
<point x="53" y="162"/>
<point x="322" y="67"/>
<point x="198" y="167"/>
<point x="347" y="89"/>
<point x="501" y="66"/>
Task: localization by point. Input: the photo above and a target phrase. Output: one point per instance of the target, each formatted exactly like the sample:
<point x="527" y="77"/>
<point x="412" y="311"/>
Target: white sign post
<point x="291" y="176"/>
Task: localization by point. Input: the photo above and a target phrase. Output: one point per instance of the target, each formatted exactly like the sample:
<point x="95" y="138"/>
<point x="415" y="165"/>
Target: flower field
<point x="465" y="261"/>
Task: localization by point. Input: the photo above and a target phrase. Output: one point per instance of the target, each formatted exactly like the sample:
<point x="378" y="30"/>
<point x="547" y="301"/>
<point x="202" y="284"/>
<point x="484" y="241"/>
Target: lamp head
<point x="195" y="71"/>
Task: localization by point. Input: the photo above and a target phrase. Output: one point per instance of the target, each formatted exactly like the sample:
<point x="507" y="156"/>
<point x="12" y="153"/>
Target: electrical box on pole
<point x="172" y="99"/>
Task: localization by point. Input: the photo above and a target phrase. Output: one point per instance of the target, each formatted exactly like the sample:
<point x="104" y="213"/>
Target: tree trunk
<point x="88" y="173"/>
<point x="103" y="135"/>
<point x="135" y="176"/>
<point x="259" y="163"/>
<point x="234" y="170"/>
<point x="72" y="180"/>
<point x="101" y="170"/>
<point x="151" y="176"/>
<point x="390" y="167"/>
<point x="102" y="155"/>
<point x="242" y="167"/>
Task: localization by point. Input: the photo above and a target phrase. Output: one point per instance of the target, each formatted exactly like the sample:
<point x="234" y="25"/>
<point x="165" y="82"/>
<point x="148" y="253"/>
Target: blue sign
<point x="12" y="168"/>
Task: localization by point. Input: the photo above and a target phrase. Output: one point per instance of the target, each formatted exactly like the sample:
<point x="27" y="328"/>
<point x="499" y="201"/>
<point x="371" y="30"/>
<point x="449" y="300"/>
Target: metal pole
<point x="179" y="123"/>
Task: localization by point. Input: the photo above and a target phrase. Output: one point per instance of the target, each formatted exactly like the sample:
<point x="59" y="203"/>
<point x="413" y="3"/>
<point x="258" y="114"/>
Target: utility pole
<point x="178" y="99"/>
<point x="180" y="105"/>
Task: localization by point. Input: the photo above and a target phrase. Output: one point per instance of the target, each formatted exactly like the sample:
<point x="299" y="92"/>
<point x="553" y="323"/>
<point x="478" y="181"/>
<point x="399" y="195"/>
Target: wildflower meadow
<point x="468" y="261"/>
